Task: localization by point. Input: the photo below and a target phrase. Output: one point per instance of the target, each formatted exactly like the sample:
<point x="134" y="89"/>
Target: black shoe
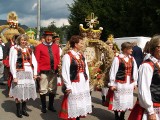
<point x="116" y="115"/>
<point x="24" y="112"/>
<point x="2" y="84"/>
<point x="122" y="116"/>
<point x="103" y="100"/>
<point x="51" y="101"/>
<point x="19" y="115"/>
<point x="43" y="101"/>
<point x="43" y="110"/>
<point x="52" y="109"/>
<point x="18" y="110"/>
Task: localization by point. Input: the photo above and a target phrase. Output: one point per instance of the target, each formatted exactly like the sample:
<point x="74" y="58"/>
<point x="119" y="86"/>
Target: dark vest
<point x="155" y="84"/>
<point x="76" y="67"/>
<point x="125" y="68"/>
<point x="21" y="58"/>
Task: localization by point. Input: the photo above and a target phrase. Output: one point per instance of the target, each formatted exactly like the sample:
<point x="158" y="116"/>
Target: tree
<point x="61" y="31"/>
<point x="118" y="17"/>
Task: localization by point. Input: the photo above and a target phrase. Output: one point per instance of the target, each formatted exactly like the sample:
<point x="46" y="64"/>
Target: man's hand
<point x="152" y="117"/>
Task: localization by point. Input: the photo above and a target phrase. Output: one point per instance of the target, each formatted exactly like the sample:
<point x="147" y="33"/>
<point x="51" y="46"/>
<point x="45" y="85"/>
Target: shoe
<point x="43" y="101"/>
<point x="2" y="84"/>
<point x="24" y="112"/>
<point x="19" y="114"/>
<point x="51" y="101"/>
<point x="103" y="100"/>
<point x="52" y="109"/>
<point x="43" y="110"/>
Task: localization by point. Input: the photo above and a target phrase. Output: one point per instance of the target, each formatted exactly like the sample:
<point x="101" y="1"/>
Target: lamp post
<point x="38" y="18"/>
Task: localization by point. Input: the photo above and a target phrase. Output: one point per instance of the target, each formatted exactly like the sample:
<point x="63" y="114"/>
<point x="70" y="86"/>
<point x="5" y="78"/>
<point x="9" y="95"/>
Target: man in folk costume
<point x="148" y="105"/>
<point x="123" y="80"/>
<point x="48" y="57"/>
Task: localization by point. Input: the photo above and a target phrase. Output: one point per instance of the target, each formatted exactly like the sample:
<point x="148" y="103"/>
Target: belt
<point x="47" y="71"/>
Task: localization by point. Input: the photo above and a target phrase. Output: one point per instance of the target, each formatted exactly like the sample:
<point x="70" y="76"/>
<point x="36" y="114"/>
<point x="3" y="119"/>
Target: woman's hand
<point x="135" y="87"/>
<point x="15" y="80"/>
<point x="152" y="117"/>
<point x="113" y="88"/>
<point x="68" y="91"/>
<point x="35" y="77"/>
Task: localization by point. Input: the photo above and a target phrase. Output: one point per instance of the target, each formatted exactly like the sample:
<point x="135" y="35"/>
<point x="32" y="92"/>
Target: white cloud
<point x="51" y="10"/>
<point x="34" y="6"/>
<point x="30" y="21"/>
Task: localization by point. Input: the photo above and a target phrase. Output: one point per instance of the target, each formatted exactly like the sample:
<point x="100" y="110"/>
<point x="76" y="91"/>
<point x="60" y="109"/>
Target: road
<point x="8" y="108"/>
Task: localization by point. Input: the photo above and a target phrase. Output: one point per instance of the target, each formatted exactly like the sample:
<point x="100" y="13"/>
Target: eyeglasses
<point x="158" y="47"/>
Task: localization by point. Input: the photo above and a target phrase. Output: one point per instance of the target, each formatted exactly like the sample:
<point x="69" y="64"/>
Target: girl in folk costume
<point x="148" y="105"/>
<point x="23" y="67"/>
<point x="123" y="80"/>
<point x="77" y="99"/>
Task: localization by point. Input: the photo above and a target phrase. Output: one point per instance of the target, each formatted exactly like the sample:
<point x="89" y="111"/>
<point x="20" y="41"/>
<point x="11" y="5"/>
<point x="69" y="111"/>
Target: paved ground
<point x="8" y="108"/>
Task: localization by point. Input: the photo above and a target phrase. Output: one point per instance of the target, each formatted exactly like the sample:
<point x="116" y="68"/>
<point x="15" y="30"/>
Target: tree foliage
<point x="61" y="31"/>
<point x="118" y="17"/>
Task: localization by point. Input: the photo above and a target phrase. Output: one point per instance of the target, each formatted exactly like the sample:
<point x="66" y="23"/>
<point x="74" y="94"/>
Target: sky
<point x="51" y="10"/>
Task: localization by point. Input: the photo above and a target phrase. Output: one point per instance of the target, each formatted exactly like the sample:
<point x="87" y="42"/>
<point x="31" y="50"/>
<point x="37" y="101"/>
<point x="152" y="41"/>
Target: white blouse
<point x="66" y="69"/>
<point x="13" y="60"/>
<point x="145" y="79"/>
<point x="114" y="70"/>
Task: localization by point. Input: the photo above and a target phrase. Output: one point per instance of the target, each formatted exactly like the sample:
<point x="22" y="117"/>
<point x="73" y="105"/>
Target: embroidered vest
<point x="125" y="69"/>
<point x="155" y="84"/>
<point x="77" y="66"/>
<point x="23" y="57"/>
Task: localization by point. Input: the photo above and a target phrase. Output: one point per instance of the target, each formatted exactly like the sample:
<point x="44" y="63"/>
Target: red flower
<point x="99" y="76"/>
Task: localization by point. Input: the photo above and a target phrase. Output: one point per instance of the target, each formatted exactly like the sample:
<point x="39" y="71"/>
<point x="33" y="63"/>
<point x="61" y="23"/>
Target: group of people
<point x="130" y="70"/>
<point x="27" y="65"/>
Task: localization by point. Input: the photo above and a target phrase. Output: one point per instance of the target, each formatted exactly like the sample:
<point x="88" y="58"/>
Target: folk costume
<point x="76" y="78"/>
<point x="48" y="59"/>
<point x="123" y="75"/>
<point x="23" y="66"/>
<point x="148" y="91"/>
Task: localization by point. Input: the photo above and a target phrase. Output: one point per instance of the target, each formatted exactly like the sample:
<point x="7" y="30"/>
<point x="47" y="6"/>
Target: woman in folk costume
<point x="148" y="105"/>
<point x="23" y="67"/>
<point x="123" y="80"/>
<point x="77" y="100"/>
